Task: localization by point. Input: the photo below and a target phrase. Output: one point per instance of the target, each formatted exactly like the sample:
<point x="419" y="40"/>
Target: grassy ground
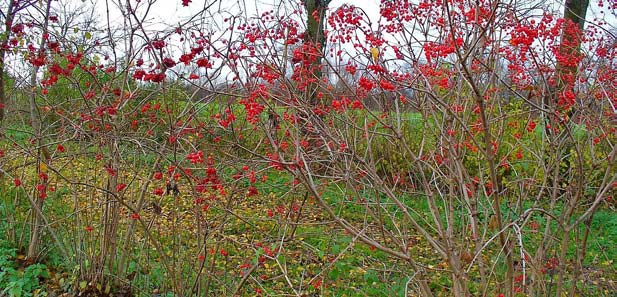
<point x="299" y="248"/>
<point x="316" y="257"/>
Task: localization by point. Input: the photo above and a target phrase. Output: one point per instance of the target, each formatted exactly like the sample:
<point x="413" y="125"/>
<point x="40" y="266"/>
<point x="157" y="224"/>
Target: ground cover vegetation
<point x="435" y="148"/>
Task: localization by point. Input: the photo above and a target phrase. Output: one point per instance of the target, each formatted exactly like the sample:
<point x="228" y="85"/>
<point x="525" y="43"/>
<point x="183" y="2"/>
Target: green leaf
<point x="16" y="289"/>
<point x="88" y="35"/>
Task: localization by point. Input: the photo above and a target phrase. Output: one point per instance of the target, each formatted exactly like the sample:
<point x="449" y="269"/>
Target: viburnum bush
<point x="482" y="130"/>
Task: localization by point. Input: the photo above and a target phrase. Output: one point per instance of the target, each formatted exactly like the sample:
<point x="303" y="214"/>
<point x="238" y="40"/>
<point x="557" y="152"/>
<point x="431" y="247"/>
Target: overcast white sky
<point x="172" y="11"/>
<point x="166" y="14"/>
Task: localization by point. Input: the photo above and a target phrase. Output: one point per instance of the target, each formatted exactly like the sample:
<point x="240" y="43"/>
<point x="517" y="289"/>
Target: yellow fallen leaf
<point x="375" y="54"/>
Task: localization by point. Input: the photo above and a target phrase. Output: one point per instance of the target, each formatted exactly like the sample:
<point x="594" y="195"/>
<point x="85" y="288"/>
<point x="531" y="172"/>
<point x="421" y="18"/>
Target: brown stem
<point x="42" y="150"/>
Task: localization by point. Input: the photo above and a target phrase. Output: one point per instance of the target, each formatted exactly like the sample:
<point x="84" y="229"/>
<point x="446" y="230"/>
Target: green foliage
<point x="605" y="222"/>
<point x="16" y="281"/>
<point x="18" y="133"/>
<point x="391" y="156"/>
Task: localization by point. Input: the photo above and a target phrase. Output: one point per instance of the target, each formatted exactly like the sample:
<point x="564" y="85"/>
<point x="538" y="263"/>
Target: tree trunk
<point x="314" y="36"/>
<point x="3" y="48"/>
<point x="316" y="14"/>
<point x="575" y="12"/>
